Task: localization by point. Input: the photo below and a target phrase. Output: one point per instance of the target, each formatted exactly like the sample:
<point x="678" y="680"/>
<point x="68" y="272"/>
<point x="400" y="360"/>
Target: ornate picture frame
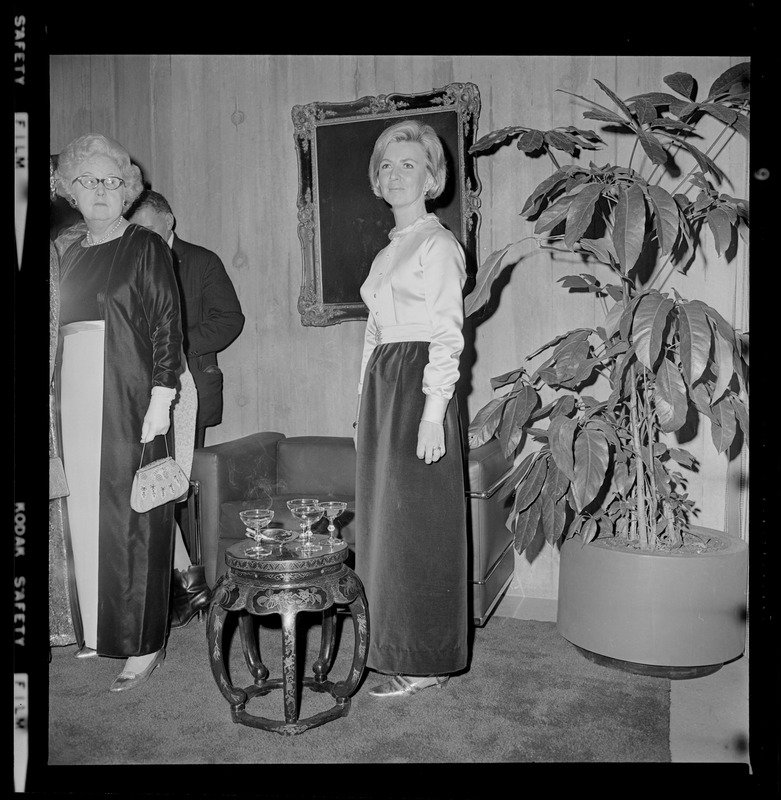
<point x="341" y="224"/>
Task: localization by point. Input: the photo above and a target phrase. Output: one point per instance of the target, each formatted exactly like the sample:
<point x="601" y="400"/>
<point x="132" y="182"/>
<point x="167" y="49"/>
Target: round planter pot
<point x="684" y="613"/>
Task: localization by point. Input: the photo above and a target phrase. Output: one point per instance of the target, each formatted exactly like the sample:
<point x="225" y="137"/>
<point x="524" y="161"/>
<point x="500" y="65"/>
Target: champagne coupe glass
<point x="309" y="514"/>
<point x="301" y="501"/>
<point x="333" y="508"/>
<point x="255" y="519"/>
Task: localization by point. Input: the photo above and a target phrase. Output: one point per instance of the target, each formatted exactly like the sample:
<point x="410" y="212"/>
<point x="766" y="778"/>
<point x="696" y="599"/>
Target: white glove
<point x="157" y="419"/>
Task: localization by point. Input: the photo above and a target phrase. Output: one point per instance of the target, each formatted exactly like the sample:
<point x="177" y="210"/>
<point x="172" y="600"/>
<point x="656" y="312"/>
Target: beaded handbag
<point x="159" y="482"/>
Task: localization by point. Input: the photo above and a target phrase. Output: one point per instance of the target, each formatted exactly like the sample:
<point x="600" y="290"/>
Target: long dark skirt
<point x="410" y="523"/>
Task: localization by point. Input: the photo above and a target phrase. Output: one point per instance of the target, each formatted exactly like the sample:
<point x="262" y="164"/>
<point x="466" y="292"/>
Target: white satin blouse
<point x="414" y="293"/>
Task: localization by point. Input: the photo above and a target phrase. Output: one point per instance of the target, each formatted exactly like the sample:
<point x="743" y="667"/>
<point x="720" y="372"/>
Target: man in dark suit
<point x="211" y="312"/>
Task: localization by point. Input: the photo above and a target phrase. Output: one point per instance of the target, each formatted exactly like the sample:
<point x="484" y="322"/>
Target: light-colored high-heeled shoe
<point x="400" y="685"/>
<point x="131" y="680"/>
<point x="85" y="652"/>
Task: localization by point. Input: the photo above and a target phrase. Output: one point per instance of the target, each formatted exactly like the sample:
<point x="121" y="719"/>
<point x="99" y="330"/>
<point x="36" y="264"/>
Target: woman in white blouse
<point x="410" y="504"/>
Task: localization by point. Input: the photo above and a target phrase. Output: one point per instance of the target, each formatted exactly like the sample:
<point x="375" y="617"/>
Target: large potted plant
<point x="639" y="585"/>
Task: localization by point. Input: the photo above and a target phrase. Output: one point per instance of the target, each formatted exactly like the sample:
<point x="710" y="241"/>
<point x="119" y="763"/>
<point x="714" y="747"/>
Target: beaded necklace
<point x="91" y="242"/>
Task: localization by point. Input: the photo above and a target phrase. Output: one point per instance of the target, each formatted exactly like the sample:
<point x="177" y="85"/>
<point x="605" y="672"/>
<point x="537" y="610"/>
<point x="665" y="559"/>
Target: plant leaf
<point x="683" y="457"/>
<point x="553" y="515"/>
<point x="741" y="413"/>
<point x="486" y="421"/>
<point x="487" y="274"/>
<point x="525" y="527"/>
<point x="613" y="318"/>
<point x="629" y="227"/>
<point x="541" y="191"/>
<point x="516" y="476"/>
<point x="628" y="316"/>
<point x="615" y="98"/>
<point x="720" y="228"/>
<point x="722" y="326"/>
<point x="743" y="126"/>
<point x="655" y="98"/>
<point x="671" y="402"/>
<point x="509" y="377"/>
<point x="683" y="83"/>
<point x="569" y="359"/>
<point x="602" y="248"/>
<point x="721" y="112"/>
<point x="574" y="335"/>
<point x="581" y="211"/>
<point x="554" y="214"/>
<point x="530" y="141"/>
<point x="528" y="489"/>
<point x="644" y="110"/>
<point x="696" y="338"/>
<point x="589" y="531"/>
<point x="516" y="414"/>
<point x="732" y="80"/>
<point x="648" y="327"/>
<point x="604" y="116"/>
<point x="666" y="217"/>
<point x="723" y="427"/>
<point x="705" y="163"/>
<point x="653" y="148"/>
<point x="496" y="137"/>
<point x="724" y="366"/>
<point x="557" y="482"/>
<point x="559" y="141"/>
<point x="591" y="461"/>
<point x="561" y="435"/>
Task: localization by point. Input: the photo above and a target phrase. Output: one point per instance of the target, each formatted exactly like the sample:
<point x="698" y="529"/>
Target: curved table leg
<point x="249" y="644"/>
<point x="214" y="637"/>
<point x="327" y="640"/>
<point x="360" y="616"/>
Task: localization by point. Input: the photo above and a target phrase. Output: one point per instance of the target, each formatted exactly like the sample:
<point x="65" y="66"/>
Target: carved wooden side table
<point x="284" y="583"/>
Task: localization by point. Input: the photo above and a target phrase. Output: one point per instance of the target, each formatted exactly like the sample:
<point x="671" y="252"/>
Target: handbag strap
<point x="143" y="448"/>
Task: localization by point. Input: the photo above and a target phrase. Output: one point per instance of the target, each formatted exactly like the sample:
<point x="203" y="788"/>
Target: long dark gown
<point x="410" y="555"/>
<point x="129" y="284"/>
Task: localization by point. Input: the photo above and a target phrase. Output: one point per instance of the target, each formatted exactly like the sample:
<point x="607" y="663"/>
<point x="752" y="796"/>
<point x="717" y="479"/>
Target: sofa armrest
<point x="236" y="470"/>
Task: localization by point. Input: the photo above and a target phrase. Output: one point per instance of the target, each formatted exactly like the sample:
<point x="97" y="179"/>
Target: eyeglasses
<point x="88" y="182"/>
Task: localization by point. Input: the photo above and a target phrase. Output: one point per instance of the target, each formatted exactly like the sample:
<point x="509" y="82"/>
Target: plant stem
<point x="552" y="157"/>
<point x="675" y="534"/>
<point x="642" y="522"/>
<point x="651" y="439"/>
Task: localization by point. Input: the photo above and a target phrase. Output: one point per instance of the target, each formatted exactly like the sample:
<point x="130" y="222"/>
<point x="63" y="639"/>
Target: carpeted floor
<point x="528" y="696"/>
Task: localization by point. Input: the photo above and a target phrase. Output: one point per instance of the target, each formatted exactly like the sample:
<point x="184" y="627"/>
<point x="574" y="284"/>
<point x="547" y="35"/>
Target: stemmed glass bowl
<point x="333" y="508"/>
<point x="308" y="514"/>
<point x="301" y="501"/>
<point x="255" y="520"/>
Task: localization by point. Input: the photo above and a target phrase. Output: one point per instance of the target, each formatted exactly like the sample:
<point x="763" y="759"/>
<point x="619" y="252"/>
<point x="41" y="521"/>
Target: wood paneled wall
<point x="214" y="135"/>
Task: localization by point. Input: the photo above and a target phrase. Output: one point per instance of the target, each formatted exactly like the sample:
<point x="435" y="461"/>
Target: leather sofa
<point x="268" y="468"/>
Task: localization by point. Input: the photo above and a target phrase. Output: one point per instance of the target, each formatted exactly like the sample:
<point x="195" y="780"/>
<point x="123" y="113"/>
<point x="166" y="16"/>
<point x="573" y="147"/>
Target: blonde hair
<point x="91" y="144"/>
<point x="410" y="130"/>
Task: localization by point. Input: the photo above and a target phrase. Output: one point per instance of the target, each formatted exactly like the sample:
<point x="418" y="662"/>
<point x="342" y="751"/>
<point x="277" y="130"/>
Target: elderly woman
<point x="121" y="361"/>
<point x="410" y="504"/>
